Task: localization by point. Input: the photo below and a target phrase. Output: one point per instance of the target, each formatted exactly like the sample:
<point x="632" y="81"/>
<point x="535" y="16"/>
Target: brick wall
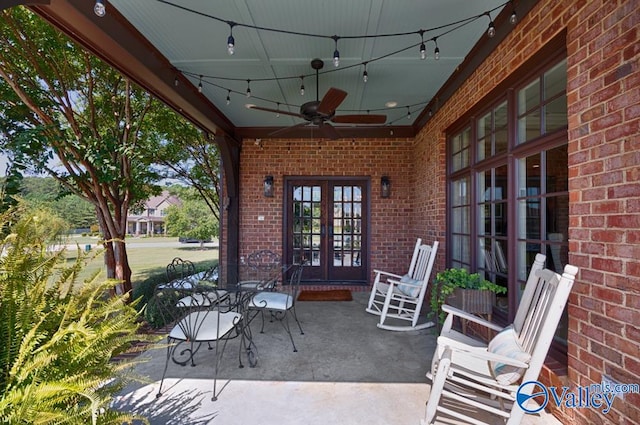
<point x="603" y="52"/>
<point x="604" y="161"/>
<point x="391" y="226"/>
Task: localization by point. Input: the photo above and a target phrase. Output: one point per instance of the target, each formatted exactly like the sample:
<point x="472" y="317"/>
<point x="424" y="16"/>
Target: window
<point x="508" y="188"/>
<point x="542" y="104"/>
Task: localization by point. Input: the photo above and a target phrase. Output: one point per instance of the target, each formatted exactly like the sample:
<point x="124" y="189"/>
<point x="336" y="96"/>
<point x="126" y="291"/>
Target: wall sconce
<point x="268" y="186"/>
<point x="385" y="187"/>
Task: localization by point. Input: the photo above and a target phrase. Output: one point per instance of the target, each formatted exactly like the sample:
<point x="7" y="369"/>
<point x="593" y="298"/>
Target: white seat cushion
<point x="204" y="326"/>
<point x="506" y="344"/>
<point x="410" y="290"/>
<point x="272" y="301"/>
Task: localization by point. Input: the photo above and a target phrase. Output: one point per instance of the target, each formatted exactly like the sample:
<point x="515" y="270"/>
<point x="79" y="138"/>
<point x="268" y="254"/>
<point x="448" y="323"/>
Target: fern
<point x="57" y="335"/>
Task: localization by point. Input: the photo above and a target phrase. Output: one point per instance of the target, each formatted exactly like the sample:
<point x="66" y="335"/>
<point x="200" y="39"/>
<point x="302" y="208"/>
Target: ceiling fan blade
<point x="275" y="111"/>
<point x="287" y="129"/>
<point x="360" y="119"/>
<point x="328" y="131"/>
<point x="331" y="100"/>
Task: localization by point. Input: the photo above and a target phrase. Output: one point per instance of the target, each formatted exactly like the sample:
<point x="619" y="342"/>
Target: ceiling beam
<point x="113" y="39"/>
<point x="309" y="132"/>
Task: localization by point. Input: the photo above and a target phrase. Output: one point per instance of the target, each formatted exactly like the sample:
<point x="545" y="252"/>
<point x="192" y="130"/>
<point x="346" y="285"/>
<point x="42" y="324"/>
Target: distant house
<point x="150" y="221"/>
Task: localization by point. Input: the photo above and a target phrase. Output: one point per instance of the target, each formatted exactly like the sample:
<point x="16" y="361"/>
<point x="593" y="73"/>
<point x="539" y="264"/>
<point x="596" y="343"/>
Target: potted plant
<point x="467" y="291"/>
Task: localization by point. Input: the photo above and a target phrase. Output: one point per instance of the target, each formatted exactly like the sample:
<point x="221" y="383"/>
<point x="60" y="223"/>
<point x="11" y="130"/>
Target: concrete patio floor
<point x="346" y="371"/>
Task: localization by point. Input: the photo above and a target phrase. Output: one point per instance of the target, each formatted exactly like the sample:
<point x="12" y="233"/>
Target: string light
<point x="231" y="42"/>
<point x="200" y="85"/>
<point x="491" y="31"/>
<point x="99" y="8"/>
<point x="453" y="26"/>
<point x="278" y="110"/>
<point x="513" y="19"/>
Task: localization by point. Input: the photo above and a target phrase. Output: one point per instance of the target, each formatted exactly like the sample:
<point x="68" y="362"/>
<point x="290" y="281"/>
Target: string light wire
<point x="453" y="26"/>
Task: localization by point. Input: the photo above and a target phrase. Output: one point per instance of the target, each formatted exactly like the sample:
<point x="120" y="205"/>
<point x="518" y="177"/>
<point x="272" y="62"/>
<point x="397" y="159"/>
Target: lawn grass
<point x="148" y="261"/>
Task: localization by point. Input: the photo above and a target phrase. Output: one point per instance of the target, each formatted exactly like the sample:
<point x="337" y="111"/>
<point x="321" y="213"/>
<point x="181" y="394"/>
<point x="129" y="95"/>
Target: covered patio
<point x="346" y="371"/>
<point x="487" y="163"/>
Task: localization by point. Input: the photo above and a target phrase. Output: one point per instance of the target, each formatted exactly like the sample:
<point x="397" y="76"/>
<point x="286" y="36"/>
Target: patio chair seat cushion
<point x="413" y="287"/>
<point x="272" y="301"/>
<point x="506" y="344"/>
<point x="204" y="326"/>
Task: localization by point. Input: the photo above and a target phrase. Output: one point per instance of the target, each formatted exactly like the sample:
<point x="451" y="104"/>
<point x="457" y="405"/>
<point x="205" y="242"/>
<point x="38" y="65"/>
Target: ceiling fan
<point x="320" y="112"/>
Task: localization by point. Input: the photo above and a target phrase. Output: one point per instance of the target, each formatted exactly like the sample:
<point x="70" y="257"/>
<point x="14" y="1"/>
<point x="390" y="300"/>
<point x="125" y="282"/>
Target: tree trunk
<point x="115" y="256"/>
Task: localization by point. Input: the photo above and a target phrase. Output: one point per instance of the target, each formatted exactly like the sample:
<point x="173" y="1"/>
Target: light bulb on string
<point x="491" y="30"/>
<point x="301" y="85"/>
<point x="408" y="113"/>
<point x="228" y="97"/>
<point x="248" y="88"/>
<point x="278" y="110"/>
<point x="365" y="74"/>
<point x="231" y="42"/>
<point x="513" y="19"/>
<point x="336" y="53"/>
<point x="200" y="85"/>
<point x="99" y="8"/>
<point x="423" y="48"/>
<point x="436" y="51"/>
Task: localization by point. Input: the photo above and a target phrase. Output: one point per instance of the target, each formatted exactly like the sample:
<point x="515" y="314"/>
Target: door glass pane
<point x="306" y="210"/>
<point x="347" y="231"/>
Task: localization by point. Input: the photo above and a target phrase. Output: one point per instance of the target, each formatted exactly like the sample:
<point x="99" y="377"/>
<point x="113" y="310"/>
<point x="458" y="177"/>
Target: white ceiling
<point x="195" y="44"/>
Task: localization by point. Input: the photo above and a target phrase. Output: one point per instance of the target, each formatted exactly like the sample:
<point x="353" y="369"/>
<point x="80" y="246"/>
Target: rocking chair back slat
<point x="414" y="257"/>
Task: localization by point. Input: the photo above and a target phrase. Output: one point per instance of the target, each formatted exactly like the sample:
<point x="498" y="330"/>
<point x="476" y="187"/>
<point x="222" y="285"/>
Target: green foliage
<point x="46" y="191"/>
<point x="57" y="335"/>
<point x="192" y="220"/>
<point x="448" y="280"/>
<point x="143" y="292"/>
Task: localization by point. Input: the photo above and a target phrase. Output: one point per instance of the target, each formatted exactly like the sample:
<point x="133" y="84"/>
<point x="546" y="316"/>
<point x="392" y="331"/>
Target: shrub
<point x="57" y="336"/>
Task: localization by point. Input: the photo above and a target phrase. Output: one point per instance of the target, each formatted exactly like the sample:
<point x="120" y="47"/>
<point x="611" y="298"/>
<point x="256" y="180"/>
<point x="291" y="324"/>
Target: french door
<point x="326" y="226"/>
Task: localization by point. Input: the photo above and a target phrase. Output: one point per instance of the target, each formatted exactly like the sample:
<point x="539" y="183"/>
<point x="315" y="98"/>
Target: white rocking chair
<point x="401" y="297"/>
<point x="487" y="378"/>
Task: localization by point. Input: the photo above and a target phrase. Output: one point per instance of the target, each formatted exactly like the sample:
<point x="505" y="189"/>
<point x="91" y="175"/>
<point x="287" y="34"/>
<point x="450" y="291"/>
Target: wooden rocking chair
<point x="401" y="297"/>
<point x="488" y="378"/>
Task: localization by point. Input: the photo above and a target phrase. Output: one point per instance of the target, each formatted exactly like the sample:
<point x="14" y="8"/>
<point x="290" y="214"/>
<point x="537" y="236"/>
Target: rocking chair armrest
<point x="471" y="317"/>
<point x="478" y="352"/>
<point x="383" y="273"/>
<point x="396" y="282"/>
<point x="483" y="354"/>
